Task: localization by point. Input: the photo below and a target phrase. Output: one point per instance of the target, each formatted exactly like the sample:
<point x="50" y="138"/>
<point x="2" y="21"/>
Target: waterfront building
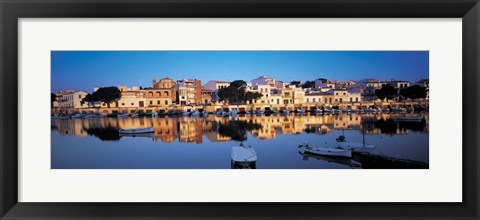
<point x="131" y="99"/>
<point x="287" y="96"/>
<point x="368" y="87"/>
<point x="298" y="94"/>
<point x="71" y="100"/>
<point x="263" y="80"/>
<point x="159" y="98"/>
<point x="345" y="96"/>
<point x="208" y="96"/>
<point x="399" y="84"/>
<point x="189" y="92"/>
<point x="263" y="89"/>
<point x="313" y="97"/>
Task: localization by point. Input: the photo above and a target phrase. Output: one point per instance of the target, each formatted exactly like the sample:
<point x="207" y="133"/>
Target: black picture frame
<point x="12" y="10"/>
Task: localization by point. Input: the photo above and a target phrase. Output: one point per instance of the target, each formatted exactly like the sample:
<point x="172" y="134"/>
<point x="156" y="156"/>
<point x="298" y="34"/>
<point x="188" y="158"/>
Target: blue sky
<point x="83" y="70"/>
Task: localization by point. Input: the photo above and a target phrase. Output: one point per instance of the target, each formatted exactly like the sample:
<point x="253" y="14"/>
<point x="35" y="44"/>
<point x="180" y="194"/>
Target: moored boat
<point x="77" y="116"/>
<point x="136" y="130"/>
<point x="326" y="151"/>
<point x="355" y="146"/>
<point x="300" y="111"/>
<point x="408" y="118"/>
<point x="242" y="154"/>
<point x="122" y="115"/>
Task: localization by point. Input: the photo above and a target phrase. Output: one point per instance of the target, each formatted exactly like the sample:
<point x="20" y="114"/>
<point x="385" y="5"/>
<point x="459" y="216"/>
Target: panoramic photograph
<point x="239" y="110"/>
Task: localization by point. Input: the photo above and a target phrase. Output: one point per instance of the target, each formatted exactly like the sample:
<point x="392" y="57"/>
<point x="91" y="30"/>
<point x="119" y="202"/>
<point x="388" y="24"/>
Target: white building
<point x="71" y="99"/>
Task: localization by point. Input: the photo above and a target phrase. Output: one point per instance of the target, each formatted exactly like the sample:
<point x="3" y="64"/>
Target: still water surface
<point x="205" y="143"/>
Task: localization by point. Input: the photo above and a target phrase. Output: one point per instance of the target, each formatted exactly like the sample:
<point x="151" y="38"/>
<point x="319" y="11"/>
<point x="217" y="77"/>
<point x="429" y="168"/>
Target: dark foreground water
<point x="205" y="143"/>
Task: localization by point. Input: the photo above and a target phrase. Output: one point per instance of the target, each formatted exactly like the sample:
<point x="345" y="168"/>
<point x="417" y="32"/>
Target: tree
<point x="309" y="84"/>
<point x="387" y="91"/>
<point x="296" y="83"/>
<point x="323" y="80"/>
<point x="235" y="93"/>
<point x="53" y="97"/>
<point x="252" y="96"/>
<point x="414" y="92"/>
<point x="104" y="94"/>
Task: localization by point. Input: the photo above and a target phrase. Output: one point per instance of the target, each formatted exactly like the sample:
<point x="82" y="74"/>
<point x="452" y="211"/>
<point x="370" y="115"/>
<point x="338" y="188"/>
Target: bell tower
<point x="154" y="81"/>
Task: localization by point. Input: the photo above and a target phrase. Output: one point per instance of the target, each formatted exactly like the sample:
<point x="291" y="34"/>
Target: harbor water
<point x="206" y="142"/>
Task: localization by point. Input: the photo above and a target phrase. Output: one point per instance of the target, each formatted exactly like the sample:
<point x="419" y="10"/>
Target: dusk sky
<point x="83" y="70"/>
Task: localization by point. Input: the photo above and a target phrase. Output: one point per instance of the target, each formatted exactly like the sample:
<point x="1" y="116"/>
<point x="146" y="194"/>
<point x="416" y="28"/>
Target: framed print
<point x="124" y="109"/>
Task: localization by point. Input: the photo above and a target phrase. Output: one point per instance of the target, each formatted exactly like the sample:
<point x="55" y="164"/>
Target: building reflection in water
<point x="218" y="129"/>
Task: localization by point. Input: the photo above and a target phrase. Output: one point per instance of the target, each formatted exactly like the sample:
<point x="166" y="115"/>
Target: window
<point x="308" y="100"/>
<point x="165" y="93"/>
<point x="123" y="104"/>
<point x="151" y="102"/>
<point x="336" y="100"/>
<point x="343" y="93"/>
<point x="351" y="99"/>
<point x="313" y="99"/>
<point x="131" y="103"/>
<point x="356" y="99"/>
<point x="336" y="93"/>
<point x="341" y="100"/>
<point x="166" y="102"/>
<point x="79" y="96"/>
<point x="278" y="101"/>
<point x="158" y="102"/>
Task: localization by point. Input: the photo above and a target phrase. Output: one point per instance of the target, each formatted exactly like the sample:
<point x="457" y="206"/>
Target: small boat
<point x="219" y="113"/>
<point x="134" y="115"/>
<point x="355" y="147"/>
<point x="275" y="112"/>
<point x="317" y="111"/>
<point x="61" y="117"/>
<point x="338" y="160"/>
<point x="326" y="151"/>
<point x="186" y="114"/>
<point x="328" y="111"/>
<point x="336" y="111"/>
<point x="300" y="111"/>
<point x="122" y="115"/>
<point x="103" y="115"/>
<point x="408" y="118"/>
<point x="233" y="112"/>
<point x="89" y="116"/>
<point x="77" y="116"/>
<point x="286" y="112"/>
<point x="136" y="130"/>
<point x="196" y="113"/>
<point x="260" y="112"/>
<point x="243" y="154"/>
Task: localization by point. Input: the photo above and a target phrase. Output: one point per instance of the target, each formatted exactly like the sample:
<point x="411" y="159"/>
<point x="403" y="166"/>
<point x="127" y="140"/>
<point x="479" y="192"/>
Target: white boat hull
<point x="356" y="147"/>
<point x="242" y="154"/>
<point x="136" y="130"/>
<point x="329" y="151"/>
